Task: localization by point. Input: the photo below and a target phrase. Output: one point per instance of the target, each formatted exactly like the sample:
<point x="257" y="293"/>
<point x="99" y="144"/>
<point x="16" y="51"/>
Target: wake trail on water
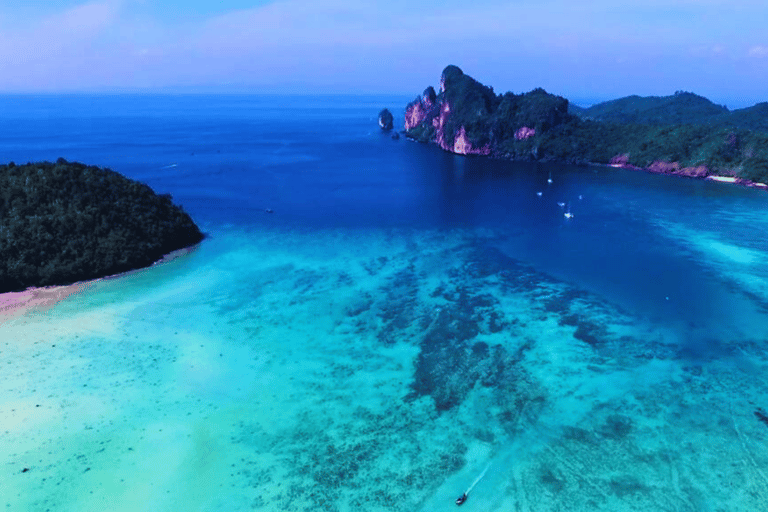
<point x="478" y="479"/>
<point x="499" y="471"/>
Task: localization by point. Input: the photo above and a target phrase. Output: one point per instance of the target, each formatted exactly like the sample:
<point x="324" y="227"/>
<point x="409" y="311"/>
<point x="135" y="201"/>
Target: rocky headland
<point x="468" y="118"/>
<point x="66" y="222"/>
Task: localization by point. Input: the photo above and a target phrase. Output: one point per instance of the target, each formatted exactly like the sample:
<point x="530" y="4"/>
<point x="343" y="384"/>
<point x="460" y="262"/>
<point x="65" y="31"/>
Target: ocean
<point x="375" y="324"/>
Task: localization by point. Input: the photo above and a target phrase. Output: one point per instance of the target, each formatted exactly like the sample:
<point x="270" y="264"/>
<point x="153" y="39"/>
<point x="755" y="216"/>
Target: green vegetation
<point x="723" y="151"/>
<point x="65" y="222"/>
<point x="486" y="117"/>
<point x="685" y="129"/>
<point x="471" y="105"/>
<point x="751" y="118"/>
<point x="681" y="108"/>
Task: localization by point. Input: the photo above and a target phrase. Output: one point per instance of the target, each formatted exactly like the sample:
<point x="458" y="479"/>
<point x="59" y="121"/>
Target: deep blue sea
<point x="404" y="326"/>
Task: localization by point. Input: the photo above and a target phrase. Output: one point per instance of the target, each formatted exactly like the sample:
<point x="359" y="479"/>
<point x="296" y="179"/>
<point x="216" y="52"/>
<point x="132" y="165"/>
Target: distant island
<point x="683" y="134"/>
<point x="66" y="222"/>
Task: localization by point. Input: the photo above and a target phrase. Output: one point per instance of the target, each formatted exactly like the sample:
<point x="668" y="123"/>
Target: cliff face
<point x="467" y="117"/>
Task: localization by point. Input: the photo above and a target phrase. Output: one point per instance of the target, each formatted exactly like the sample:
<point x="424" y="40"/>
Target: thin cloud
<point x="85" y="20"/>
<point x="352" y="45"/>
<point x="758" y="51"/>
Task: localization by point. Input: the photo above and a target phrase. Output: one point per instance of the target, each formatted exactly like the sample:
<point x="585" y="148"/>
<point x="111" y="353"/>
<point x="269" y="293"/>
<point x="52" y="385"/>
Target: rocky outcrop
<point x="463" y="146"/>
<point x="467" y="118"/>
<point x="386" y="120"/>
<point x="674" y="168"/>
<point x="429" y="97"/>
<point x="662" y="167"/>
<point x="524" y="133"/>
<point x="415" y="113"/>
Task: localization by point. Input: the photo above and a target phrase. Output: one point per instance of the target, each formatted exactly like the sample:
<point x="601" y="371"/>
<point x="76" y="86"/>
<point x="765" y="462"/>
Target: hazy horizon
<point x="403" y="96"/>
<point x="584" y="52"/>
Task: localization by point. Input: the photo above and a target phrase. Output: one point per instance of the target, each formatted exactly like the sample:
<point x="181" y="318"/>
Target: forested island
<point x="65" y="222"/>
<point x="683" y="134"/>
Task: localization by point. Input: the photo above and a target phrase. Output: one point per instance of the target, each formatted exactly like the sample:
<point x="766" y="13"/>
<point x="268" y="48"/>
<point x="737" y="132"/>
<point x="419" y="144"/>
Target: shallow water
<point x="405" y="319"/>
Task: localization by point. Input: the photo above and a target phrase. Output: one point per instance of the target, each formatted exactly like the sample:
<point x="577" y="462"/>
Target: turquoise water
<point x="405" y="320"/>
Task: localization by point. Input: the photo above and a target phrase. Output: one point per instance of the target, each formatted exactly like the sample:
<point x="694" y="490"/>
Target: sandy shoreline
<point x="15" y="304"/>
<point x="38" y="300"/>
<point x="673" y="169"/>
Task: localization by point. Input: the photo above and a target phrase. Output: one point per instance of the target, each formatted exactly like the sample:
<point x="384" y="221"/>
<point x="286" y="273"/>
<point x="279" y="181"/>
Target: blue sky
<point x="597" y="49"/>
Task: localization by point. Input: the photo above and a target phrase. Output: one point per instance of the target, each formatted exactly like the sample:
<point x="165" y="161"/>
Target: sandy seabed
<point x="367" y="370"/>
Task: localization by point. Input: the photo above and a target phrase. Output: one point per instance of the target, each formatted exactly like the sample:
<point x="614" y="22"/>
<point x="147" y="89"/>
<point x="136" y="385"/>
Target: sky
<point x="588" y="50"/>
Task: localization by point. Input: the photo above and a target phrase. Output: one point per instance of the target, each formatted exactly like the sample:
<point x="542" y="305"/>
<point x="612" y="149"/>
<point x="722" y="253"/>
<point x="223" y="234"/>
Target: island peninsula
<point x="65" y="222"/>
<point x="682" y="135"/>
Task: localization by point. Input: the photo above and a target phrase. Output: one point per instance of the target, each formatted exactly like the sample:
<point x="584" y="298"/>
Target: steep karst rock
<point x="385" y="119"/>
<point x="466" y="117"/>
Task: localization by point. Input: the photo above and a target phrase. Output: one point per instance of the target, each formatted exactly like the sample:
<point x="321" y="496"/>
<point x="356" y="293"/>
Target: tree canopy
<point x="64" y="222"/>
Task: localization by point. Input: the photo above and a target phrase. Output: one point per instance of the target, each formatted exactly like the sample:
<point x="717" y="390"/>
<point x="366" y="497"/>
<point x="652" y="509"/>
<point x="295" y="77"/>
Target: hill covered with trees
<point x="65" y="222"/>
<point x="672" y="135"/>
<point x="680" y="108"/>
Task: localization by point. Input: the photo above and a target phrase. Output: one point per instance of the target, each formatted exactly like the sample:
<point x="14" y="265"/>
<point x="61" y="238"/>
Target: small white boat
<point x="561" y="205"/>
<point x="549" y="180"/>
<point x="539" y="193"/>
<point x="568" y="214"/>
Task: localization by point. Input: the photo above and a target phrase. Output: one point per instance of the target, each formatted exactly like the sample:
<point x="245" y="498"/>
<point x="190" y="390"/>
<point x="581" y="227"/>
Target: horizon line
<point x="580" y="101"/>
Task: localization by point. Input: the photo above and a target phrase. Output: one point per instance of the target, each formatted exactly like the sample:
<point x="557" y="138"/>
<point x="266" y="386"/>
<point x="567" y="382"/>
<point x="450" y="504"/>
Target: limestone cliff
<point x="466" y="117"/>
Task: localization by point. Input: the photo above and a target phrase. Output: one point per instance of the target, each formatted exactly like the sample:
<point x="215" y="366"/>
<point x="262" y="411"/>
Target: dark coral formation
<point x="400" y="307"/>
<point x="467" y="117"/>
<point x="480" y="374"/>
<point x="762" y="416"/>
<point x="450" y="362"/>
<point x="464" y="346"/>
<point x="65" y="222"/>
<point x="333" y="466"/>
